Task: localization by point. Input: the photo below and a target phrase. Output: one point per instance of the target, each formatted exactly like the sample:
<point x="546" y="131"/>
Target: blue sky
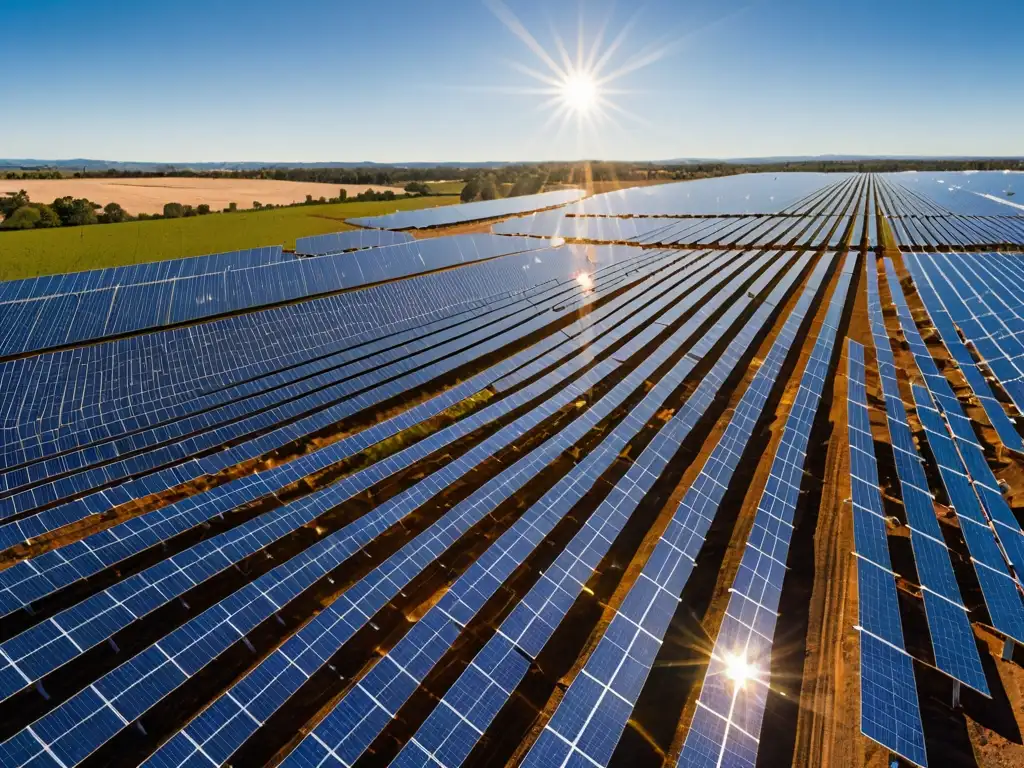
<point x="435" y="80"/>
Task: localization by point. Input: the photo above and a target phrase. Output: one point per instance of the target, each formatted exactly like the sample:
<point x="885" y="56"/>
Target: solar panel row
<point x="890" y="712"/>
<point x="727" y="723"/>
<point x="350" y="240"/>
<point x="948" y="621"/>
<point x="458" y="214"/>
<point x="762" y="193"/>
<point x="131" y="274"/>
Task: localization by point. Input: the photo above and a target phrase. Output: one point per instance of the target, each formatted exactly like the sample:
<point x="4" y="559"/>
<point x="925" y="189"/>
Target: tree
<point x="188" y="211"/>
<point x="309" y="200"/>
<point x="47" y="216"/>
<point x="12" y="201"/>
<point x="113" y="214"/>
<point x="75" y="211"/>
<point x="342" y="195"/>
<point x="232" y="208"/>
<point x="527" y="184"/>
<point x="471" y="191"/>
<point x="174" y="211"/>
<point x="202" y="209"/>
<point x="25" y="217"/>
<point x="489" y="189"/>
<point x="417" y="188"/>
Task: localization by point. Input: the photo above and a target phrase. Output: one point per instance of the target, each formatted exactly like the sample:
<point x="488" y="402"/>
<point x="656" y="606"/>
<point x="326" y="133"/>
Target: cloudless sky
<point x="435" y="80"/>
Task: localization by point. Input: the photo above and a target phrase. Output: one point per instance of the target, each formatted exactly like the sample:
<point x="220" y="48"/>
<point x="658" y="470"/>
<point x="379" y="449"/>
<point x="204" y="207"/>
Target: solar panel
<point x="886" y="681"/>
<point x="350" y="240"/>
<point x="457" y="214"/>
<point x="999" y="587"/>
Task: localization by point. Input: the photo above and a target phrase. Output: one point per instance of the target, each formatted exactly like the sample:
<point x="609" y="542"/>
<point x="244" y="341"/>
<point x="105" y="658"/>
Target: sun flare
<point x="739" y="670"/>
<point x="580" y="92"/>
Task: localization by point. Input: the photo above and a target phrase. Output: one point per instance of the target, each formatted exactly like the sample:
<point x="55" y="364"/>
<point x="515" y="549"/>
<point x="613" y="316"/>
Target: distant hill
<point x="78" y="164"/>
<point x="93" y="166"/>
<point x="823" y="159"/>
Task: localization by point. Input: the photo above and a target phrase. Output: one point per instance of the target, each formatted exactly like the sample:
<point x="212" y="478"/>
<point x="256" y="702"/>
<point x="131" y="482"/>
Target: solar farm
<point x="726" y="472"/>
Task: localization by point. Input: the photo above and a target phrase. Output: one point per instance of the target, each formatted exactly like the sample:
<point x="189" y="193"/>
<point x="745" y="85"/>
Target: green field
<point x="72" y="249"/>
<point x="446" y="187"/>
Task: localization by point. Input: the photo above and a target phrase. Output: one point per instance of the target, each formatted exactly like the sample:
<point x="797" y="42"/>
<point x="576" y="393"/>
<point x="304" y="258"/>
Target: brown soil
<point x="149" y="195"/>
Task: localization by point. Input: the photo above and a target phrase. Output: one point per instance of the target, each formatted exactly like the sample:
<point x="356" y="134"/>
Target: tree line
<point x="18" y="212"/>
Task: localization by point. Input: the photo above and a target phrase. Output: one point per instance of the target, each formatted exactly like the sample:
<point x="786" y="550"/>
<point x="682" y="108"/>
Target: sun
<point x="580" y="92"/>
<point x="738" y="669"/>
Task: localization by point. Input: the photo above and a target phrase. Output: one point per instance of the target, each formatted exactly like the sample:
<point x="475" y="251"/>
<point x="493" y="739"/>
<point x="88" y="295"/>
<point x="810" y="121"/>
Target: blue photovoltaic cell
<point x="890" y="713"/>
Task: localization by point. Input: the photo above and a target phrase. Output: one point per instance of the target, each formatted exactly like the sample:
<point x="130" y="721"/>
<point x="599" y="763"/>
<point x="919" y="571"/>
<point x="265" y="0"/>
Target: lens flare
<point x="738" y="670"/>
<point x="580" y="92"/>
